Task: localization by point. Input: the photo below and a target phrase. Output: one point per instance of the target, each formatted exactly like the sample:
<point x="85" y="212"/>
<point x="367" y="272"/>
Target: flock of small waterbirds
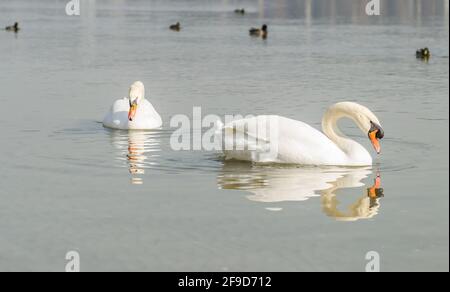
<point x="422" y="53"/>
<point x="255" y="32"/>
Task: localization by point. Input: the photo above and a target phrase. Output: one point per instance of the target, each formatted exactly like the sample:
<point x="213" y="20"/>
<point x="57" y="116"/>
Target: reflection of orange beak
<point x="375" y="187"/>
<point x="132" y="112"/>
<point x="377" y="183"/>
<point x="374" y="140"/>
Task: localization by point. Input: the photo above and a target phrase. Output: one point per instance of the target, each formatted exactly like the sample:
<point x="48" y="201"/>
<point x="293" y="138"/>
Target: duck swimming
<point x="423" y="53"/>
<point x="14" y="28"/>
<point x="259" y="32"/>
<point x="133" y="112"/>
<point x="239" y="11"/>
<point x="175" y="27"/>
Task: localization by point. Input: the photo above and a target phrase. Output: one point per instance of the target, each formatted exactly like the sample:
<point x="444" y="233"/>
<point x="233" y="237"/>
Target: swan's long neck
<point x="353" y="150"/>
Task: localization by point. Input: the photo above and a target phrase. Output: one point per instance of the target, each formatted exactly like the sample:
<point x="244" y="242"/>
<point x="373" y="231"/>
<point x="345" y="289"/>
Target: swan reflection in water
<point x="275" y="184"/>
<point x="139" y="149"/>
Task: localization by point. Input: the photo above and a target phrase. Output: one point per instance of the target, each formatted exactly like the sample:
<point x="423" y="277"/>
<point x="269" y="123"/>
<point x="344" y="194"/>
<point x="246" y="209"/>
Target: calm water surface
<point x="126" y="201"/>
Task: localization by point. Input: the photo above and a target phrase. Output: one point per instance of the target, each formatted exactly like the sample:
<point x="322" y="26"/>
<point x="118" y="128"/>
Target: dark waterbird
<point x="423" y="53"/>
<point x="259" y="32"/>
<point x="239" y="11"/>
<point x="14" y="28"/>
<point x="175" y="27"/>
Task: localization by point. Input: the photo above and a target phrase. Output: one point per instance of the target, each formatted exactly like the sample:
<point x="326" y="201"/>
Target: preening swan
<point x="275" y="139"/>
<point x="133" y="112"/>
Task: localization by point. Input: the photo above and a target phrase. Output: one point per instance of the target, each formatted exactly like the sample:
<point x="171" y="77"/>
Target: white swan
<point x="275" y="139"/>
<point x="133" y="112"/>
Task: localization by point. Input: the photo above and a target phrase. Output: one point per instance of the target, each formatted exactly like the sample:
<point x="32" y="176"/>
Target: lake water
<point x="127" y="202"/>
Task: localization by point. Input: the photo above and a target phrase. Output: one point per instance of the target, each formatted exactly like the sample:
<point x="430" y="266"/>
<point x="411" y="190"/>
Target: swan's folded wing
<point x="260" y="128"/>
<point x="117" y="117"/>
<point x="251" y="139"/>
<point x="300" y="143"/>
<point x="278" y="139"/>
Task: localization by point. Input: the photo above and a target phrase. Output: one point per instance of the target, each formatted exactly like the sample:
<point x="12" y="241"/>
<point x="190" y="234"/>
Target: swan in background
<point x="133" y="112"/>
<point x="275" y="139"/>
<point x="269" y="184"/>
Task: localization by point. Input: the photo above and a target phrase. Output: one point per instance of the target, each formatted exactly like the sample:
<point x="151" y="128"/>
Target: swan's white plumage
<point x="146" y="117"/>
<point x="297" y="142"/>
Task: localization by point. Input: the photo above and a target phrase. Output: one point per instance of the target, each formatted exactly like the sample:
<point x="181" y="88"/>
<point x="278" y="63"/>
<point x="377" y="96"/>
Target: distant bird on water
<point x="259" y="32"/>
<point x="14" y="28"/>
<point x="239" y="11"/>
<point x="424" y="54"/>
<point x="175" y="27"/>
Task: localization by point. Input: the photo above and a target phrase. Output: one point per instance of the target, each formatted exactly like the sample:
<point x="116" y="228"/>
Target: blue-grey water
<point x="127" y="202"/>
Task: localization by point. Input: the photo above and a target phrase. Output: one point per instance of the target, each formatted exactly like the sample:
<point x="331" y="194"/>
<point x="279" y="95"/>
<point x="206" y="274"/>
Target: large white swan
<point x="275" y="139"/>
<point x="133" y="112"/>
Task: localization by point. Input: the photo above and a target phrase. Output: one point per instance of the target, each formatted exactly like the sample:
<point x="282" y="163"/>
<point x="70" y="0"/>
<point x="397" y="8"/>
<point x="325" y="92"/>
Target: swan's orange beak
<point x="132" y="112"/>
<point x="375" y="134"/>
<point x="375" y="142"/>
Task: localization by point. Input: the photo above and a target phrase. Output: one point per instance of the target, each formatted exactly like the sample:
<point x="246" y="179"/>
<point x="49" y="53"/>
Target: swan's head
<point x="363" y="117"/>
<point x="368" y="123"/>
<point x="136" y="94"/>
